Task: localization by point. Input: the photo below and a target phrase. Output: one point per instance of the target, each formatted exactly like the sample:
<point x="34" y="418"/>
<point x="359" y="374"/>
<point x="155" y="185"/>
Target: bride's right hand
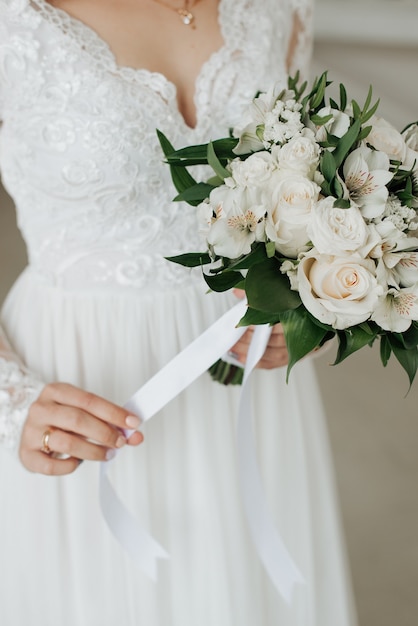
<point x="75" y="425"/>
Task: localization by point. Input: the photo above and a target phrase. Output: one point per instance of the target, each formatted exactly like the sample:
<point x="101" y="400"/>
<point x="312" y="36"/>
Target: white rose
<point x="384" y="137"/>
<point x="337" y="231"/>
<point x="254" y="171"/>
<point x="300" y="154"/>
<point x="410" y="135"/>
<point x="290" y="201"/>
<point x="338" y="291"/>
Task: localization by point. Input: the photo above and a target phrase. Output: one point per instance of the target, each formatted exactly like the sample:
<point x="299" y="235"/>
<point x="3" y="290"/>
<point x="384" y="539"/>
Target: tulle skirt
<point x="59" y="562"/>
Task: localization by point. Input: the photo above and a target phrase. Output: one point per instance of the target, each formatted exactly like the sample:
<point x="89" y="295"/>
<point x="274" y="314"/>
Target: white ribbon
<point x="173" y="378"/>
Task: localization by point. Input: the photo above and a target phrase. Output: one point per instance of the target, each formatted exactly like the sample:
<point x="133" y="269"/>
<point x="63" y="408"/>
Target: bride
<point x="83" y="86"/>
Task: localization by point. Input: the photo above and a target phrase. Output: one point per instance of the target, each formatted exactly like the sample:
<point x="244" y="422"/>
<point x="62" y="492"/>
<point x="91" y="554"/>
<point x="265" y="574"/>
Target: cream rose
<point x="338" y="291"/>
<point x="300" y="154"/>
<point x="290" y="201"/>
<point x="337" y="231"/>
<point x="384" y="137"/>
<point x="252" y="172"/>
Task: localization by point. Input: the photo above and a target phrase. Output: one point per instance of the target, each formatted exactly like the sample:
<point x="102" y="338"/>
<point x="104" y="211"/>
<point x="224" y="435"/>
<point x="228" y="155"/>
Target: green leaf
<point x="319" y="120"/>
<point x="198" y="154"/>
<point x="253" y="317"/>
<point x="268" y="289"/>
<point x="328" y="166"/>
<point x="182" y="179"/>
<point x="223" y="281"/>
<point x="346" y="143"/>
<point x="343" y="97"/>
<point x="215" y="163"/>
<point x="342" y="204"/>
<point x="270" y="249"/>
<point x="191" y="259"/>
<point x="350" y="341"/>
<point x="385" y="350"/>
<point x="408" y="358"/>
<point x="301" y="333"/>
<point x="367" y="115"/>
<point x="365" y="132"/>
<point x="194" y="195"/>
<point x="257" y="255"/>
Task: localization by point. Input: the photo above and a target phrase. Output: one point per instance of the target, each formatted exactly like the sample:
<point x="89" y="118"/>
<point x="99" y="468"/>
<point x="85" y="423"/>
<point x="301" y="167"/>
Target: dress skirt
<point x="61" y="565"/>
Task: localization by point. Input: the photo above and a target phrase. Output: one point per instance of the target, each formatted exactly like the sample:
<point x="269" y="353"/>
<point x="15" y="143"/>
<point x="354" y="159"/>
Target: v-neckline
<point x="166" y="89"/>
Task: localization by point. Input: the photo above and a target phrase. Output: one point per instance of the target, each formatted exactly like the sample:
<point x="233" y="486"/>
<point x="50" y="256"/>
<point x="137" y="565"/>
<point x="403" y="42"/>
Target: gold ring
<point x="45" y="442"/>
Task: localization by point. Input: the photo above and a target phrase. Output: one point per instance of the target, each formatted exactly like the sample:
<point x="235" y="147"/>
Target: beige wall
<point x="373" y="426"/>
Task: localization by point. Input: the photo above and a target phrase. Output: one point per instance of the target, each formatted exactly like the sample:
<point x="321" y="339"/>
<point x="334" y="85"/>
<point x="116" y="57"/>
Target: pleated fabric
<point x="60" y="564"/>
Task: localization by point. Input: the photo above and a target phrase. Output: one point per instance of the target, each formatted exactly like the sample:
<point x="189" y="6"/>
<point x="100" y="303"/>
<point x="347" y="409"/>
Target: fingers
<point x="80" y="426"/>
<point x="276" y="354"/>
<point x="94" y="405"/>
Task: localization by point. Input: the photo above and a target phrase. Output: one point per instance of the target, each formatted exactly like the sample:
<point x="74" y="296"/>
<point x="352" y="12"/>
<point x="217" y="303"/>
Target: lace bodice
<point x="79" y="153"/>
<point x="78" y="148"/>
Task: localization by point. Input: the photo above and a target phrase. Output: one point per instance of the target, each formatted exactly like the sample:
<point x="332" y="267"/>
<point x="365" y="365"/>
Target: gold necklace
<point x="184" y="12"/>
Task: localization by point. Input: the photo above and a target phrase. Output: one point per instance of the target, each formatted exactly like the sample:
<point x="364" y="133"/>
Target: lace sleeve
<point x="18" y="389"/>
<point x="301" y="42"/>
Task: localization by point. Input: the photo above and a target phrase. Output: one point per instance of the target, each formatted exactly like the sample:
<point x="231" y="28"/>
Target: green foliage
<point x="301" y="333"/>
<point x="268" y="289"/>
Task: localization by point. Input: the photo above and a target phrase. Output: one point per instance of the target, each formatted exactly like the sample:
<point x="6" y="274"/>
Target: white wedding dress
<point x="98" y="306"/>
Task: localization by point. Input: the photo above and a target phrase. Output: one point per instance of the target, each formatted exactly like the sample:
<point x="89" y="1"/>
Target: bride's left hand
<point x="276" y="354"/>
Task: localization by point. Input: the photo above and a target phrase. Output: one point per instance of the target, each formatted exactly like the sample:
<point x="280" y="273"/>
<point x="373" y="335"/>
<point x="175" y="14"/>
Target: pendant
<point x="186" y="17"/>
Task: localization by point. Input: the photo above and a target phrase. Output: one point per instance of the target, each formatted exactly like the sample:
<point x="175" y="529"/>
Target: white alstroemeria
<point x="366" y="174"/>
<point x="237" y="221"/>
<point x="406" y="268"/>
<point x="385" y="138"/>
<point x="391" y="239"/>
<point x="300" y="154"/>
<point x="255" y="171"/>
<point x="337" y="126"/>
<point x="289" y="200"/>
<point x="397" y="309"/>
<point x="339" y="291"/>
<point x="339" y="231"/>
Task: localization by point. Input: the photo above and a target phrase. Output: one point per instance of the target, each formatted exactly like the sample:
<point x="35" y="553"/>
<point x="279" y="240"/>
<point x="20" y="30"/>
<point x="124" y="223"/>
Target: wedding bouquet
<point x="312" y="209"/>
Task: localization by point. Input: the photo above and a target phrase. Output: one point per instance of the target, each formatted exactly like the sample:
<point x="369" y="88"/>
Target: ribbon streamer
<point x="173" y="378"/>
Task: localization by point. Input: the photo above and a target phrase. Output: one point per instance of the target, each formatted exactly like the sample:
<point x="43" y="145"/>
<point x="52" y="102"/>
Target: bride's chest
<point x="65" y="94"/>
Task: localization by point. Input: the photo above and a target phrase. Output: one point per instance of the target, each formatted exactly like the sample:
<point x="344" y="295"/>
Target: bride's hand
<point x="76" y="425"/>
<point x="276" y="354"/>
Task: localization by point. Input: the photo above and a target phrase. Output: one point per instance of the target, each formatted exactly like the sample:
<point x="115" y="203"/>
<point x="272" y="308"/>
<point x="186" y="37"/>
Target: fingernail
<point x="132" y="421"/>
<point x="110" y="454"/>
<point x="120" y="442"/>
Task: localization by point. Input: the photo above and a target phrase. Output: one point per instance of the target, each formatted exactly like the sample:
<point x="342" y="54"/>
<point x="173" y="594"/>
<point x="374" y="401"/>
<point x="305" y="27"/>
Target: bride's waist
<point x="109" y="269"/>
